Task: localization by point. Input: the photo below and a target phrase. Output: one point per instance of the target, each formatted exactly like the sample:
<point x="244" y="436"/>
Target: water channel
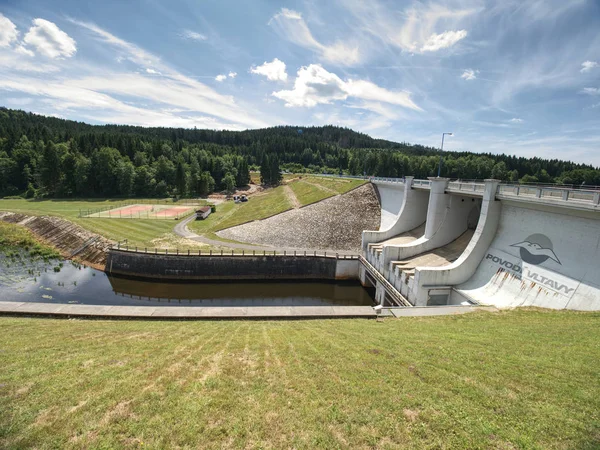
<point x="23" y="280"/>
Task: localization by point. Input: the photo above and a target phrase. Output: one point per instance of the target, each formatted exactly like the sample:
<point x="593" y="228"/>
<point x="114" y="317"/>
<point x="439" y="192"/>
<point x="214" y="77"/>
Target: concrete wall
<point x="391" y="196"/>
<point x="185" y="267"/>
<point x="541" y="255"/>
<point x="412" y="213"/>
<point x="427" y="279"/>
<point x="447" y="219"/>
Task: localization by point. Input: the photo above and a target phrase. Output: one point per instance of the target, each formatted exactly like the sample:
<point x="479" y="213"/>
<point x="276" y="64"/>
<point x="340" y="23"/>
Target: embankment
<point x="71" y="241"/>
<point x="207" y="268"/>
<point x="335" y="223"/>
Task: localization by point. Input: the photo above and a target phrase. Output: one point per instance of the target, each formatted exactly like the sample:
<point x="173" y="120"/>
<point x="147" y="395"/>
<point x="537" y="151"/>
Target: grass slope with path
<point x="140" y="233"/>
<point x="230" y="214"/>
<point x="159" y="233"/>
<point x="513" y="379"/>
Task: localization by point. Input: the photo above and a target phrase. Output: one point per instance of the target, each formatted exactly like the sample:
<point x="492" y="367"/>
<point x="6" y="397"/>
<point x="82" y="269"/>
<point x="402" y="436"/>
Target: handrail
<point x="580" y="196"/>
<point x="390" y="289"/>
<point x="233" y="252"/>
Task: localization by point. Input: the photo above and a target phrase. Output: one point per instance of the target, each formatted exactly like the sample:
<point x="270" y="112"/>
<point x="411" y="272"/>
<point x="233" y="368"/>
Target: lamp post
<point x="442" y="151"/>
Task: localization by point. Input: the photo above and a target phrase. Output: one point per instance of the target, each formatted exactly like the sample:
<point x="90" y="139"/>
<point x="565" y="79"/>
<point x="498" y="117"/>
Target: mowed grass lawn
<point x="311" y="189"/>
<point x="517" y="379"/>
<point x="138" y="232"/>
<point x="340" y="185"/>
<point x="308" y="193"/>
<point x="267" y="204"/>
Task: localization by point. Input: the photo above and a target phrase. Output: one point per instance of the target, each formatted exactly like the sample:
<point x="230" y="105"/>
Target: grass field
<point x="311" y="189"/>
<point x="308" y="193"/>
<point x="154" y="233"/>
<point x="518" y="379"/>
<point x="142" y="233"/>
<point x="340" y="185"/>
<point x="258" y="207"/>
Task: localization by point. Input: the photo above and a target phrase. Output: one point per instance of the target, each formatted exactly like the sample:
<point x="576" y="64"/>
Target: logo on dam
<point x="536" y="249"/>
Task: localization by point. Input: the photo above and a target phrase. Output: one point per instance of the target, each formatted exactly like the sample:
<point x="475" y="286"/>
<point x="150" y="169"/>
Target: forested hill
<point x="47" y="156"/>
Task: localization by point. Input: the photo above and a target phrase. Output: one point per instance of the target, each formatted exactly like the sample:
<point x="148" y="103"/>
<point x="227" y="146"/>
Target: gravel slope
<point x="335" y="223"/>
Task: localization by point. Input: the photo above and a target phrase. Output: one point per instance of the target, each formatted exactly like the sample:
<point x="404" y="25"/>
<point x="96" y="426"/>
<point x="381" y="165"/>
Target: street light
<point x="442" y="151"/>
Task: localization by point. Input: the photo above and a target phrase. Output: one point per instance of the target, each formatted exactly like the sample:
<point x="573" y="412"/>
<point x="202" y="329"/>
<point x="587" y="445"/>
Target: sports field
<point x="142" y="211"/>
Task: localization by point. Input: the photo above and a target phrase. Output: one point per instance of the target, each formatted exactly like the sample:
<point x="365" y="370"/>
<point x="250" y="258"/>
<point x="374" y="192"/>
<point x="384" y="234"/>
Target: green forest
<point x="51" y="157"/>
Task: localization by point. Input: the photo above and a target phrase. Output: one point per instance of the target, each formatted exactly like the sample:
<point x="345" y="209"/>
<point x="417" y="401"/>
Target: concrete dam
<point x="439" y="242"/>
<point x="452" y="243"/>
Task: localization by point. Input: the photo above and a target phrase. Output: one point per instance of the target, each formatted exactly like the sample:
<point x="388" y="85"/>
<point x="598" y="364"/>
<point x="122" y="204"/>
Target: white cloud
<point x="221" y="77"/>
<point x="232" y="74"/>
<point x="274" y="70"/>
<point x="49" y="40"/>
<point x="516" y="120"/>
<point x="591" y="91"/>
<point x="94" y="90"/>
<point x="444" y="40"/>
<point x="586" y="66"/>
<point x="8" y="31"/>
<point x="291" y="25"/>
<point x="422" y="27"/>
<point x="152" y="71"/>
<point x="193" y="35"/>
<point x="469" y="74"/>
<point x="314" y="85"/>
<point x="24" y="51"/>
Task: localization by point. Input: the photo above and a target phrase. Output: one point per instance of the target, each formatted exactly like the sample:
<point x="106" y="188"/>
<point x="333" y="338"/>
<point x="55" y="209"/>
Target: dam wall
<point x="449" y="215"/>
<point x="468" y="262"/>
<point x="216" y="267"/>
<point x="412" y="211"/>
<point x="520" y="246"/>
<point x="391" y="196"/>
<point x="541" y="255"/>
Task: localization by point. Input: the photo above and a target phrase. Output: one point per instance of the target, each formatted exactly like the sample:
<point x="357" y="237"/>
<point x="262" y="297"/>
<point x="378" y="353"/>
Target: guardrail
<point x="581" y="196"/>
<point x="233" y="252"/>
<point x="393" y="293"/>
<point x="466" y="186"/>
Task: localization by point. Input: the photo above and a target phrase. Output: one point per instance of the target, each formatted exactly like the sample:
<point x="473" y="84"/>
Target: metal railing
<point x="124" y="247"/>
<point x="468" y="186"/>
<point x="587" y="197"/>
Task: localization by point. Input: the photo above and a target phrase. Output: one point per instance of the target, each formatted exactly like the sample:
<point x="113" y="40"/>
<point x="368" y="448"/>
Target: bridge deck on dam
<point x="439" y="257"/>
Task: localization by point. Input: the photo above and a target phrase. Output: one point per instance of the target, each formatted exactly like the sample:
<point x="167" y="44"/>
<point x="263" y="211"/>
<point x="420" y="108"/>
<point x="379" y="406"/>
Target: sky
<point x="514" y="76"/>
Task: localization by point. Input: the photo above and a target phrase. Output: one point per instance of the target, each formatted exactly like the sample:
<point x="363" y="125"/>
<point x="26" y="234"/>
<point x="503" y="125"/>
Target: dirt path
<point x="182" y="230"/>
<point x="324" y="188"/>
<point x="291" y="197"/>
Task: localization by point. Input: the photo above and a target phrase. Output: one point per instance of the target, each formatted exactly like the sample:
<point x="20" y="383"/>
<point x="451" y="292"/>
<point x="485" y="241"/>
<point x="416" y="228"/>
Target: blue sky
<point x="519" y="77"/>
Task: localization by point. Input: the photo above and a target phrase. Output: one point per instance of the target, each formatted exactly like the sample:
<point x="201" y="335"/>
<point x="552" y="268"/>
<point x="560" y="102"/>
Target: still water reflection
<point x="26" y="281"/>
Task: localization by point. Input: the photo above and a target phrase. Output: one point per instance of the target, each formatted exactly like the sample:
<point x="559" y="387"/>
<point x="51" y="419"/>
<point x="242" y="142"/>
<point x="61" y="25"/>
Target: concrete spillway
<point x="539" y="257"/>
<point x="485" y="243"/>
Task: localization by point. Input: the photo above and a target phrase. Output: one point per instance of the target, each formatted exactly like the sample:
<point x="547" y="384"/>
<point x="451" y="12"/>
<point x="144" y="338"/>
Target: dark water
<point x="22" y="280"/>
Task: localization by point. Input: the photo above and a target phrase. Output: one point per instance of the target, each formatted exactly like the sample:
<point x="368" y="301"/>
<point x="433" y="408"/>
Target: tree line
<point x="51" y="157"/>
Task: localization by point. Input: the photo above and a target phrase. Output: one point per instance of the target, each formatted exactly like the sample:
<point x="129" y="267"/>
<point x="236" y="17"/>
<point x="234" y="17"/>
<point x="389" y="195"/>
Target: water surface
<point x="22" y="280"/>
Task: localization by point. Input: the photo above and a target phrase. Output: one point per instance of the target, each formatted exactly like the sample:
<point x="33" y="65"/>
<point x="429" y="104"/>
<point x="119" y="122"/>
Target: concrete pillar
<point x="380" y="294"/>
<point x="491" y="187"/>
<point x="438" y="202"/>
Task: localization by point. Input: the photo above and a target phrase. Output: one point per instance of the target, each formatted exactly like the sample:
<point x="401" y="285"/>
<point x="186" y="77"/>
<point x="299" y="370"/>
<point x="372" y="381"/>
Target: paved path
<point x="185" y="312"/>
<point x="181" y="229"/>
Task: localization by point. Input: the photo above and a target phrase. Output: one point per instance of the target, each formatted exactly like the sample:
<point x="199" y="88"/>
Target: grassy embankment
<point x="15" y="240"/>
<point x="516" y="379"/>
<point x="314" y="189"/>
<point x="139" y="232"/>
<point x="230" y="214"/>
<point x="158" y="233"/>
